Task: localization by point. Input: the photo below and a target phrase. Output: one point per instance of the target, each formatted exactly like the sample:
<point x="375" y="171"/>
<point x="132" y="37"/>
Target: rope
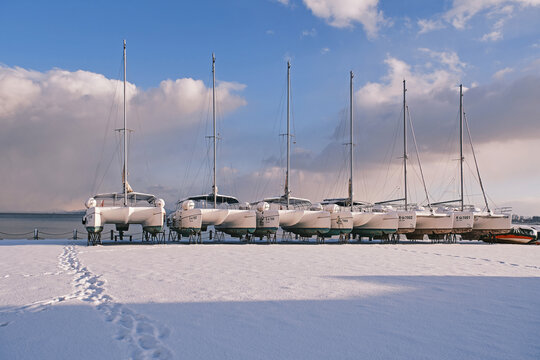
<point x="387" y="159"/>
<point x="53" y="234"/>
<point x="23" y="234"/>
<point x="106" y="130"/>
<point x="418" y="157"/>
<point x="475" y="162"/>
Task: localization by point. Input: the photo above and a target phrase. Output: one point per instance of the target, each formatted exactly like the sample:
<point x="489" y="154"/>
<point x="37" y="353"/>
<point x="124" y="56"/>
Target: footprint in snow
<point x="142" y="334"/>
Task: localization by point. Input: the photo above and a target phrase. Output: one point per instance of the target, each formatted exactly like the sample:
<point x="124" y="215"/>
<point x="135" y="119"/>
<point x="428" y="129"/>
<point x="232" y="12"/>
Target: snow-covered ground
<point x="63" y="300"/>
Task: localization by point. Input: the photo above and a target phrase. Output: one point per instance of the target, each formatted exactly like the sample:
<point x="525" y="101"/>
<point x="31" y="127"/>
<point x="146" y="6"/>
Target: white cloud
<point x="427" y="25"/>
<point x="448" y="58"/>
<point x="54" y="124"/>
<point x="431" y="78"/>
<point x="501" y="73"/>
<point x="344" y="13"/>
<point x="270" y="32"/>
<point x="325" y="50"/>
<point x="311" y="33"/>
<point x="492" y="36"/>
<point x="283" y="2"/>
<point x="184" y="98"/>
<point x="464" y="10"/>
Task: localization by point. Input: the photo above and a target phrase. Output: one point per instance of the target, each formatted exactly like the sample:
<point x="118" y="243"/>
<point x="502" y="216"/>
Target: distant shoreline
<point x="42" y="214"/>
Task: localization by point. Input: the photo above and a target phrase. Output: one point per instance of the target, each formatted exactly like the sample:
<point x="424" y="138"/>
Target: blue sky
<point x="491" y="46"/>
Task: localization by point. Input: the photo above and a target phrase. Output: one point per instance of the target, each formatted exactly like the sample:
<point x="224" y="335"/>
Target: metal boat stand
<point x="94" y="239"/>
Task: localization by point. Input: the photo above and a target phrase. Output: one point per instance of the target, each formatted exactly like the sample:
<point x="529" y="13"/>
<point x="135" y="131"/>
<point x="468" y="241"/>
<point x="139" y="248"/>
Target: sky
<point x="61" y="99"/>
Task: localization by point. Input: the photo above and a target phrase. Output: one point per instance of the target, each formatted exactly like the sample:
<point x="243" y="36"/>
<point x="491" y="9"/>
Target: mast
<point x="405" y="143"/>
<point x="288" y="133"/>
<point x="461" y="141"/>
<point x="351" y="143"/>
<point x="214" y="185"/>
<point x="125" y="133"/>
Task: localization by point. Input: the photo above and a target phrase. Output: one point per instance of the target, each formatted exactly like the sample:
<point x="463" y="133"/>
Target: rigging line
<point x="144" y="148"/>
<point x="204" y="160"/>
<point x="196" y="141"/>
<point x="418" y="158"/>
<point x="208" y="168"/>
<point x="447" y="188"/>
<point x="475" y="162"/>
<point x="108" y="166"/>
<point x="329" y="191"/>
<point x="343" y="154"/>
<point x="468" y="188"/>
<point x="114" y="85"/>
<point x="277" y="123"/>
<point x="293" y="118"/>
<point x="194" y="179"/>
<point x="341" y="188"/>
<point x="443" y="167"/>
<point x="389" y="155"/>
<point x="119" y="156"/>
<point x="257" y="185"/>
<point x="265" y="150"/>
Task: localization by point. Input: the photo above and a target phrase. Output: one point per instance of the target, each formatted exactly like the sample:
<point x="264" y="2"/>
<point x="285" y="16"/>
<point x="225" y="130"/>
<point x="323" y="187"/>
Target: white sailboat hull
<point x="341" y="222"/>
<point x="380" y="224"/>
<point x="233" y="222"/>
<point x="406" y="221"/>
<point x="463" y="222"/>
<point x="432" y="224"/>
<point x="305" y="223"/>
<point x="150" y="217"/>
<point x="267" y="223"/>
<point x="187" y="222"/>
<point x="238" y="223"/>
<point x="360" y="218"/>
<point x="289" y="218"/>
<point x="213" y="217"/>
<point x="486" y="224"/>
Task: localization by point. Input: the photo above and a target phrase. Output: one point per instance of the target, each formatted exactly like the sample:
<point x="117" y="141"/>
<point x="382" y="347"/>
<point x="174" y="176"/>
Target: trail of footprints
<point x="470" y="258"/>
<point x="143" y="336"/>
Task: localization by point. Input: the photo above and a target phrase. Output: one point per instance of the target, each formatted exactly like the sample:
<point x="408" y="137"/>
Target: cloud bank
<point x="504" y="124"/>
<point x="58" y="128"/>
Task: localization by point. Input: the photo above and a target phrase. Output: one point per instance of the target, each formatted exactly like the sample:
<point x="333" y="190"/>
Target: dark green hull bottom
<point x="373" y="232"/>
<point x="94" y="229"/>
<point x="334" y="232"/>
<point x="236" y="232"/>
<point x="260" y="232"/>
<point x="188" y="231"/>
<point x="153" y="229"/>
<point x="307" y="232"/>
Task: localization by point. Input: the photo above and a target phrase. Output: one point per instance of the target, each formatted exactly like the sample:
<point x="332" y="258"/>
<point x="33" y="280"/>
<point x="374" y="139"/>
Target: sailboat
<point x="127" y="207"/>
<point x="463" y="219"/>
<point x="486" y="225"/>
<point x="428" y="221"/>
<point x="366" y="220"/>
<point x="195" y="213"/>
<point x="295" y="214"/>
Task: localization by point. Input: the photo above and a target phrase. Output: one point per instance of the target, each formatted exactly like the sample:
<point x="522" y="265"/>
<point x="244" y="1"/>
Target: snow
<point x="61" y="299"/>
